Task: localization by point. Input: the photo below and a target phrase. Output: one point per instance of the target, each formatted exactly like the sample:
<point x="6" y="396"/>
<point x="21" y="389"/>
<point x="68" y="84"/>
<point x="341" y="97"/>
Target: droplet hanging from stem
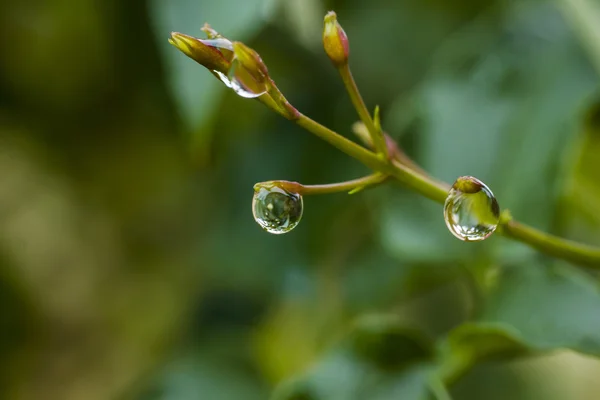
<point x="471" y="211"/>
<point x="275" y="209"/>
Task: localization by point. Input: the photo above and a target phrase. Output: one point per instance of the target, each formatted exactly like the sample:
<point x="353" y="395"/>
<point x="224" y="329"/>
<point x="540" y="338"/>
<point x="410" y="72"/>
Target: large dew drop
<point x="276" y="210"/>
<point x="471" y="210"/>
<point x="243" y="82"/>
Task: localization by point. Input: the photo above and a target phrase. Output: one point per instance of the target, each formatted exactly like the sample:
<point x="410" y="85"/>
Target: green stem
<point x="426" y="186"/>
<point x="437" y="191"/>
<point x="553" y="245"/>
<point x="346" y="186"/>
<point x="364" y="114"/>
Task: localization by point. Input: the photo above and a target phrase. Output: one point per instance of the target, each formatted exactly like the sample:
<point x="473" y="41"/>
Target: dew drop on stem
<point x="471" y="211"/>
<point x="276" y="210"/>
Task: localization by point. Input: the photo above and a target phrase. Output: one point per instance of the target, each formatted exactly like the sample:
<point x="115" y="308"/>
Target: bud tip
<point x="335" y="40"/>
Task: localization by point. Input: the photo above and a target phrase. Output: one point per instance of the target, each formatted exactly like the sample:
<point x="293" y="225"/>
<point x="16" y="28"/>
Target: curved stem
<point x="364" y="114"/>
<point x="352" y="186"/>
<point x="437" y="191"/>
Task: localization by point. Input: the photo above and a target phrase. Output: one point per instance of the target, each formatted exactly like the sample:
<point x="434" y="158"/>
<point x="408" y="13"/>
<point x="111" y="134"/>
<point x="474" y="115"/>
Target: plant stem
<point x="437" y="191"/>
<point x="346" y="186"/>
<point x="364" y="114"/>
<point x="394" y="151"/>
<point x="420" y="183"/>
<point x="553" y="245"/>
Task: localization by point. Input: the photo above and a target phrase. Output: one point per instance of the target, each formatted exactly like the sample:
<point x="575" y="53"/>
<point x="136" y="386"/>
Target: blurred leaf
<point x="385" y="342"/>
<point x="287" y="340"/>
<point x="471" y="343"/>
<point x="380" y="359"/>
<point x="547" y="308"/>
<point x="202" y="375"/>
<point x="581" y="212"/>
<point x="340" y="376"/>
<point x="532" y="310"/>
<point x="303" y="19"/>
<point x="479" y="341"/>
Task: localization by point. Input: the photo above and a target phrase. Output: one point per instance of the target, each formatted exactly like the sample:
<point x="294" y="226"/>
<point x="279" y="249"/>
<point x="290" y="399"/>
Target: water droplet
<point x="276" y="210"/>
<point x="471" y="210"/>
<point x="245" y="83"/>
<point x="220" y="43"/>
<point x="223" y="78"/>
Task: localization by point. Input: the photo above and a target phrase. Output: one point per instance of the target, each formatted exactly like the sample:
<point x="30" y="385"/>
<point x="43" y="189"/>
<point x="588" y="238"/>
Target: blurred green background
<point x="131" y="267"/>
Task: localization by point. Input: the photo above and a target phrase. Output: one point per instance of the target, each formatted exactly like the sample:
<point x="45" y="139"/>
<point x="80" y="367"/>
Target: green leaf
<point x="204" y="373"/>
<point x="341" y="376"/>
<point x="379" y="360"/>
<point x="531" y="310"/>
<point x="481" y="341"/>
<point x="385" y="342"/>
<point x="471" y="343"/>
<point x="547" y="308"/>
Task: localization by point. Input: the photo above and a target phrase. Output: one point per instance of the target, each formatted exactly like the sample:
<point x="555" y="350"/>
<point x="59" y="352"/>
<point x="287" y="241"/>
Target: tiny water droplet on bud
<point x="222" y="44"/>
<point x="275" y="209"/>
<point x="471" y="210"/>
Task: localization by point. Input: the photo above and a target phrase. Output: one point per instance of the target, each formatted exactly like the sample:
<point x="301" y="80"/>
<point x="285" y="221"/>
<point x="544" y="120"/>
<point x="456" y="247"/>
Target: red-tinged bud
<point x="238" y="66"/>
<point x="335" y="40"/>
<point x="215" y="54"/>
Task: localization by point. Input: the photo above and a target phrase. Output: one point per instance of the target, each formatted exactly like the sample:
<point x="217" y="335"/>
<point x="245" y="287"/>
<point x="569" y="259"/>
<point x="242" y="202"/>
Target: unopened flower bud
<point x="215" y="54"/>
<point x="335" y="40"/>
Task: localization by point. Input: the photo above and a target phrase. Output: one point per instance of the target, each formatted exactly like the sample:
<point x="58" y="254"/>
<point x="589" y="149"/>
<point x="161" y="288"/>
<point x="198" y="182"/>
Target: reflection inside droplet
<point x="276" y="210"/>
<point x="244" y="83"/>
<point x="471" y="211"/>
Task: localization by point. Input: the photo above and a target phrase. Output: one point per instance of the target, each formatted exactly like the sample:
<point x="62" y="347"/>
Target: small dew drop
<point x="471" y="210"/>
<point x="276" y="210"/>
<point x="244" y="83"/>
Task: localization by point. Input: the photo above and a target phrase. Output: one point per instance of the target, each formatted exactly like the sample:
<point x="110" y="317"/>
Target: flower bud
<point x="335" y="40"/>
<point x="215" y="54"/>
<point x="250" y="60"/>
<point x="237" y="66"/>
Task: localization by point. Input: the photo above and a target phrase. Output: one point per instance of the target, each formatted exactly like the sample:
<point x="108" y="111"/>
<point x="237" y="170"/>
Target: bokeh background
<point x="131" y="267"/>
